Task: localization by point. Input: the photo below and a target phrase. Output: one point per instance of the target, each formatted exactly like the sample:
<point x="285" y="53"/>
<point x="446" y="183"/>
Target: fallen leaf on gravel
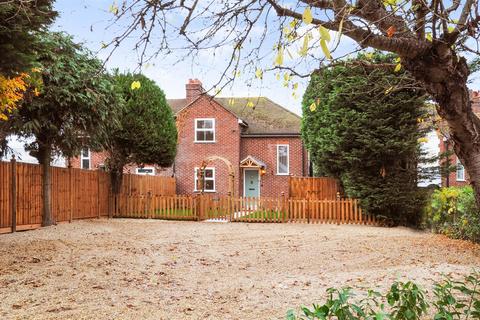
<point x="35" y="260"/>
<point x="16" y="306"/>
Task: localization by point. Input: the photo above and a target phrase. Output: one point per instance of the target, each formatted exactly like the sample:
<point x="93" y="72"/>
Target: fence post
<point x="14" y="193"/>
<point x="308" y="210"/>
<point x="148" y="205"/>
<point x="98" y="193"/>
<point x="284" y="207"/>
<point x="70" y="189"/>
<point x="230" y="205"/>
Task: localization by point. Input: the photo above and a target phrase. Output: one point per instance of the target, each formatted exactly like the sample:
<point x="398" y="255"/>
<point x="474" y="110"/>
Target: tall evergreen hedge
<point x="364" y="125"/>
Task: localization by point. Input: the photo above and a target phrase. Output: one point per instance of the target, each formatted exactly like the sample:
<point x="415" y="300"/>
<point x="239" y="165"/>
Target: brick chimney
<point x="193" y="89"/>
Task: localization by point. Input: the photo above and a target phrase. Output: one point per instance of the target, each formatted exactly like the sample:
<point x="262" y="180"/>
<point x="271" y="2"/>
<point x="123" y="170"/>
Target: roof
<point x="250" y="161"/>
<point x="264" y="118"/>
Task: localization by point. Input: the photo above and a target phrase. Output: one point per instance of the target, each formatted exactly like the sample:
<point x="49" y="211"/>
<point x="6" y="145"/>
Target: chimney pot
<point x="193" y="89"/>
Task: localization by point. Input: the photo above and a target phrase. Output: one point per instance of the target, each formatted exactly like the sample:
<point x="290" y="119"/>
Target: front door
<point x="251" y="186"/>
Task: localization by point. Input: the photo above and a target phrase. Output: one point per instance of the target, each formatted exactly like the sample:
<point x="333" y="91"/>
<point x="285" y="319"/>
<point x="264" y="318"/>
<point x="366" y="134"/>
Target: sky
<point x="89" y="22"/>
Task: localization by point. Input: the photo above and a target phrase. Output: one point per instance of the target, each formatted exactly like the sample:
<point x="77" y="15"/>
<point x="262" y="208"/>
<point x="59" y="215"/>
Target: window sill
<point x="206" y="191"/>
<point x="204" y="141"/>
<point x="283" y="174"/>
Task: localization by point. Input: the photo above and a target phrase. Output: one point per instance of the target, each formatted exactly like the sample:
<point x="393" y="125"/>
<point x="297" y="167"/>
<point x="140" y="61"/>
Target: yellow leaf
<point x="398" y="67"/>
<point x="277" y="76"/>
<point x="293" y="23"/>
<point x="388" y="90"/>
<point x="324" y="33"/>
<point x="286" y="77"/>
<point x="429" y="36"/>
<point x="113" y="8"/>
<point x="369" y="55"/>
<point x="295" y="86"/>
<point x="250" y="104"/>
<point x="307" y="16"/>
<point x="304" y="50"/>
<point x="135" y="85"/>
<point x="259" y="73"/>
<point x="325" y="49"/>
<point x="423" y="140"/>
<point x="279" y="57"/>
<point x="451" y="29"/>
<point x="313" y="107"/>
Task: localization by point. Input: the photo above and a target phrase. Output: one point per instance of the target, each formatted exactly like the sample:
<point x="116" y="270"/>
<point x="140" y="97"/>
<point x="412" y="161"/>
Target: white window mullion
<point x="209" y="177"/>
<point x="283" y="159"/>
<point x="460" y="171"/>
<point x="204" y="130"/>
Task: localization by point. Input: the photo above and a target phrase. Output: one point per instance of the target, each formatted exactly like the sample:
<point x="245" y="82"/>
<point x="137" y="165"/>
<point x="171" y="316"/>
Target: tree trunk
<point x="44" y="157"/>
<point x="445" y="77"/>
<point x="116" y="179"/>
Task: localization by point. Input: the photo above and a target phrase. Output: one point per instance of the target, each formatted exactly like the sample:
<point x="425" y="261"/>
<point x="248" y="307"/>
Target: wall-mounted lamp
<point x="263" y="171"/>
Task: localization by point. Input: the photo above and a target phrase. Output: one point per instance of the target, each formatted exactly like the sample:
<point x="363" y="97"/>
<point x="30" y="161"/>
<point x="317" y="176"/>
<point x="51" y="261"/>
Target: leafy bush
<point x="452" y="211"/>
<point x="404" y="301"/>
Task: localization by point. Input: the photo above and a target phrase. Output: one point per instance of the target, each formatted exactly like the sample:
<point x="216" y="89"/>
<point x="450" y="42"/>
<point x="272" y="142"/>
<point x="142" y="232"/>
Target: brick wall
<point x="191" y="154"/>
<point x="265" y="149"/>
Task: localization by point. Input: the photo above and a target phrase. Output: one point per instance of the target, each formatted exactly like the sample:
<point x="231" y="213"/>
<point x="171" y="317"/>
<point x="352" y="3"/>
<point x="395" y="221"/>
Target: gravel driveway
<point x="150" y="269"/>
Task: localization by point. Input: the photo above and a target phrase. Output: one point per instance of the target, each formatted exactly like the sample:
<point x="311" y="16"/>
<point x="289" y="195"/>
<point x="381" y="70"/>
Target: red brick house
<point x="249" y="144"/>
<point x="460" y="176"/>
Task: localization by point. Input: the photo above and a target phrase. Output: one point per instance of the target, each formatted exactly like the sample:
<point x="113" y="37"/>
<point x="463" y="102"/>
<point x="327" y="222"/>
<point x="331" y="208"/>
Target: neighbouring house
<point x="459" y="177"/>
<point x="248" y="146"/>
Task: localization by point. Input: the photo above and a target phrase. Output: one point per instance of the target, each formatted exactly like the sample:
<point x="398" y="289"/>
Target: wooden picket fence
<point x="80" y="194"/>
<point x="76" y="193"/>
<point x="224" y="208"/>
<point x="318" y="188"/>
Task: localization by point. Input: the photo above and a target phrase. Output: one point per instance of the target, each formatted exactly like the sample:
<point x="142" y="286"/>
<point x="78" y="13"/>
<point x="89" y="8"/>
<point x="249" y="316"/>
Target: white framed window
<point x="208" y="180"/>
<point x="146" y="171"/>
<point x="460" y="171"/>
<point x="205" y="130"/>
<point x="85" y="158"/>
<point x="283" y="159"/>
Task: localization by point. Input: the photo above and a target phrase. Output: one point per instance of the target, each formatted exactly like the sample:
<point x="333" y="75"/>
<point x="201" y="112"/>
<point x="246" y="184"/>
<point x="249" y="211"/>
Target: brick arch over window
<point x="231" y="172"/>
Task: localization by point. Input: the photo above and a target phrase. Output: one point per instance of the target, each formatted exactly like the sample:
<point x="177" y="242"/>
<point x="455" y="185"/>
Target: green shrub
<point x="452" y="211"/>
<point x="404" y="301"/>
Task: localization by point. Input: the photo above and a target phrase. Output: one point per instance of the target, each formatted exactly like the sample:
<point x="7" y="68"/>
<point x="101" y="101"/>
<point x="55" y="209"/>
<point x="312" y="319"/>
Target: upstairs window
<point x="205" y="130"/>
<point x="460" y="171"/>
<point x="208" y="180"/>
<point x="85" y="158"/>
<point x="283" y="159"/>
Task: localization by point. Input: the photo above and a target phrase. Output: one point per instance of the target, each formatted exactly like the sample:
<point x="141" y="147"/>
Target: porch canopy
<point x="251" y="162"/>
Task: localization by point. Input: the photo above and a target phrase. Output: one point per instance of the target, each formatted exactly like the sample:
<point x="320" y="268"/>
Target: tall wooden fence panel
<point x="5" y="196"/>
<point x="29" y="195"/>
<point x="157" y="186"/>
<point x="76" y="193"/>
<point x="320" y="188"/>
